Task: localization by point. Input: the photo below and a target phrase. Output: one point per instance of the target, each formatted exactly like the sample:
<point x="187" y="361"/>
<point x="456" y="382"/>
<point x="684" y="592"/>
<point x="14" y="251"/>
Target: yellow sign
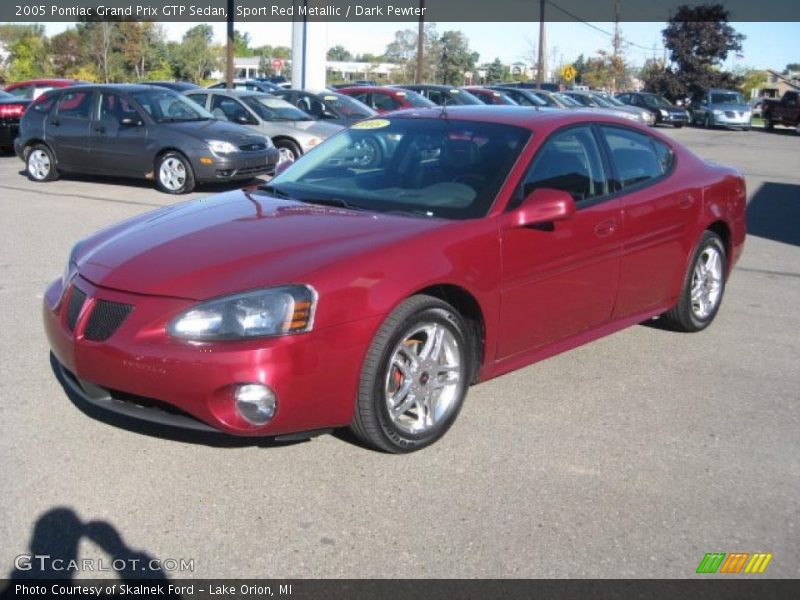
<point x="371" y="124"/>
<point x="568" y="72"/>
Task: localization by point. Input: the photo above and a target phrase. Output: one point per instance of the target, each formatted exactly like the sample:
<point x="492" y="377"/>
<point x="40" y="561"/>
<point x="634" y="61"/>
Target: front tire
<point x="40" y="164"/>
<point x="287" y="151"/>
<point x="415" y="377"/>
<point x="174" y="174"/>
<point x="703" y="287"/>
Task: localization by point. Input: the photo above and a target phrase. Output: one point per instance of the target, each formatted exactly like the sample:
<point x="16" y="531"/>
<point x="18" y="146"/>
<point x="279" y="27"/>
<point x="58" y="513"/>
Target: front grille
<point x="732" y="114"/>
<point x="105" y="320"/>
<point x="253" y="147"/>
<point x="76" y="300"/>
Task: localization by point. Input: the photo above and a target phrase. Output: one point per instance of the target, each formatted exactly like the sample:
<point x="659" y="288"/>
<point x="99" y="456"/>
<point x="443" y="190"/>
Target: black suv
<point x="137" y="131"/>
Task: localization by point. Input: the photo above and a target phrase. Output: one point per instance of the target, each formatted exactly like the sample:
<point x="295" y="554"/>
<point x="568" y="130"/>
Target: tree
<point x="29" y="57"/>
<point x="455" y="58"/>
<point x="68" y="52"/>
<point x="339" y="53"/>
<point x="699" y="40"/>
<point x="241" y="44"/>
<point x="197" y="57"/>
<point x="495" y="71"/>
<point x="791" y="68"/>
<point x="403" y="51"/>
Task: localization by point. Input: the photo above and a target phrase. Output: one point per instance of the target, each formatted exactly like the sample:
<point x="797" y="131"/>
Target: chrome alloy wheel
<point x="423" y="378"/>
<point x="286" y="154"/>
<point x="707" y="283"/>
<point x="39" y="164"/>
<point x="172" y="174"/>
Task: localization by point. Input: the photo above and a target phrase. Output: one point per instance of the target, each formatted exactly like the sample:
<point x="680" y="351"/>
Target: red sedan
<point x="34" y="88"/>
<point x="487" y="96"/>
<point x="387" y="99"/>
<point x="373" y="297"/>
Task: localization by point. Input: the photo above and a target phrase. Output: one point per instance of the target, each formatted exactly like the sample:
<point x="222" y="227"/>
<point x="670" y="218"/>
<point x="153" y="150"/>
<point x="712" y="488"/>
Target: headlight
<point x="748" y="114"/>
<point x="663" y="112"/>
<point x="275" y="311"/>
<point x="220" y="147"/>
<point x="632" y="116"/>
<point x="718" y="113"/>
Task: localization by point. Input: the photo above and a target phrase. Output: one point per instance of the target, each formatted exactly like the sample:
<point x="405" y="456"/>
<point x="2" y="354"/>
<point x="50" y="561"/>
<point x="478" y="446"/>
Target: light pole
<point x="420" y="43"/>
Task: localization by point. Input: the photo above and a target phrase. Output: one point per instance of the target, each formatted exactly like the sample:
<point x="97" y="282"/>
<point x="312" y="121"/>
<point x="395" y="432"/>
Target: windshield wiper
<point x="337" y="202"/>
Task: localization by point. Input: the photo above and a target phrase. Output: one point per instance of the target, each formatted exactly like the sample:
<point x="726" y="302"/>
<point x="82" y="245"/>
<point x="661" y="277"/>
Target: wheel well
<point x="31" y="143"/>
<point x="722" y="230"/>
<point x="283" y="138"/>
<point x="163" y="151"/>
<point x="468" y="307"/>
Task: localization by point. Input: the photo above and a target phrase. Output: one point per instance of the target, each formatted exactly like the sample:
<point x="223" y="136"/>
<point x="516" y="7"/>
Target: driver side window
<point x="568" y="161"/>
<point x="230" y="109"/>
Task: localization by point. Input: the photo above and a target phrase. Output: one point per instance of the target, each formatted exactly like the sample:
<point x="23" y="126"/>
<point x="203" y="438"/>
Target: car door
<point x="659" y="213"/>
<point x="69" y="129"/>
<point x="120" y="136"/>
<point x="560" y="280"/>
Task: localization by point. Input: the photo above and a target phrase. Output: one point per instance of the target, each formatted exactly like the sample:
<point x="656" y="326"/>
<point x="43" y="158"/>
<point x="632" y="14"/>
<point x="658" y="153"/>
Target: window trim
<point x="644" y="184"/>
<point x="519" y="191"/>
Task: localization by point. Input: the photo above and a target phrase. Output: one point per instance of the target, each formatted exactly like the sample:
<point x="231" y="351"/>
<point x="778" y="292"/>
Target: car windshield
<point x="583" y="100"/>
<point x="444" y="168"/>
<point x="347" y="106"/>
<point x="614" y="101"/>
<point x="165" y="106"/>
<point x="5" y="94"/>
<point x="462" y="97"/>
<point x="656" y="102"/>
<point x="567" y="100"/>
<point x="602" y="101"/>
<point x="270" y="108"/>
<point x="414" y="99"/>
<point x="726" y="98"/>
<point x="534" y="99"/>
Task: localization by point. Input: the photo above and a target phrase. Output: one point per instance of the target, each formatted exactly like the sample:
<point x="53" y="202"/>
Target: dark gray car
<point x="137" y="131"/>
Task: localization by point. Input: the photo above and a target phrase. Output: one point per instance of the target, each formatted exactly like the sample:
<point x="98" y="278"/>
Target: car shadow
<point x="773" y="213"/>
<point x="149" y="184"/>
<point x="175" y="434"/>
<point x="54" y="544"/>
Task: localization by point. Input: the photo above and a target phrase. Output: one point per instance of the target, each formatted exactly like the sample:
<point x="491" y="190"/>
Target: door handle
<point x="55" y="122"/>
<point x="686" y="201"/>
<point x="100" y="129"/>
<point x="605" y="228"/>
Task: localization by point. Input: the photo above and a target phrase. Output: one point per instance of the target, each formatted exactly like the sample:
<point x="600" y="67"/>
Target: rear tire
<point x="288" y="150"/>
<point x="415" y="377"/>
<point x="40" y="164"/>
<point x="174" y="174"/>
<point x="703" y="287"/>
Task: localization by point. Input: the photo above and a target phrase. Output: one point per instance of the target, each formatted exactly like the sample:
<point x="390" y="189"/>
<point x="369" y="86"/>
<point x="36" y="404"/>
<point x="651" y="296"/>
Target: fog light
<point x="255" y="402"/>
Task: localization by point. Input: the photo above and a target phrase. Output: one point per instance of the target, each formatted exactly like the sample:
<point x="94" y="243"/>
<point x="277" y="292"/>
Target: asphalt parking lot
<point x="630" y="457"/>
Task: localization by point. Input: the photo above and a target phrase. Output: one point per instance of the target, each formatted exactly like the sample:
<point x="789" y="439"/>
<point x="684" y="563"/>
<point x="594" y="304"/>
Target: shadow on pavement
<point x="774" y="213"/>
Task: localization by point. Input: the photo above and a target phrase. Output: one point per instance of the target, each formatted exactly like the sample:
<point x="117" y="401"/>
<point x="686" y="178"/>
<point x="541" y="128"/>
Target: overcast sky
<point x="768" y="45"/>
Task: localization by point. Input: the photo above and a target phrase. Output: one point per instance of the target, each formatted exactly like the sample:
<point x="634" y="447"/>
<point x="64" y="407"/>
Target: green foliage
<point x="456" y="58"/>
<point x="339" y="53"/>
<point x="496" y="71"/>
<point x="699" y="40"/>
<point x="29" y="57"/>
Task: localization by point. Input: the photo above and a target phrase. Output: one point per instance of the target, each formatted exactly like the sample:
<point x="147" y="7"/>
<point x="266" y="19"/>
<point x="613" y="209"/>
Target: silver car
<point x="592" y="100"/>
<point x="292" y="131"/>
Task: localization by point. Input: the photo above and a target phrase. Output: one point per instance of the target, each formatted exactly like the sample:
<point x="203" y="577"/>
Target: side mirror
<point x="544" y="206"/>
<point x="130" y="122"/>
<point x="242" y="120"/>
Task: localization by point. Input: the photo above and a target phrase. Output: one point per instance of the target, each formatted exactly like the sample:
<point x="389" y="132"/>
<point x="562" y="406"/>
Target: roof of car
<point x="227" y="92"/>
<point x="120" y="87"/>
<point x="370" y="88"/>
<point x="522" y="116"/>
<point x="56" y="82"/>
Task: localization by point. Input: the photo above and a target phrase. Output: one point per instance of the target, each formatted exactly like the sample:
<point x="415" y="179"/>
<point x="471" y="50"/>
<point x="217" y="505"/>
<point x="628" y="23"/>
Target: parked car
<point x="526" y="97"/>
<point x="662" y="109"/>
<point x="251" y="85"/>
<point x="386" y="99"/>
<point x="489" y="96"/>
<point x="292" y="131"/>
<point x="338" y="297"/>
<point x="175" y="86"/>
<point x="32" y="89"/>
<point x="721" y="108"/>
<point x="562" y="99"/>
<point x="647" y="117"/>
<point x="785" y="111"/>
<point x="757" y="107"/>
<point x="443" y="94"/>
<point x="328" y="106"/>
<point x="11" y="111"/>
<point x="592" y="100"/>
<point x="140" y="131"/>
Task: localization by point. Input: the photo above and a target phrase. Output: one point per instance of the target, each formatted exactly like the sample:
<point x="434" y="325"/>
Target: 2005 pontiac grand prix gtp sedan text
<point x="371" y="296"/>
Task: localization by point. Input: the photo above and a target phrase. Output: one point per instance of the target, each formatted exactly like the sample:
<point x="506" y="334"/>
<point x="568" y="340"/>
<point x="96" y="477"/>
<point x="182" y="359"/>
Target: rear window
<point x="637" y="157"/>
<point x="77" y="105"/>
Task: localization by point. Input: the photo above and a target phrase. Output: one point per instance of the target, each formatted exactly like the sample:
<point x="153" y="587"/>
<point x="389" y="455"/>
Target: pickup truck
<point x="785" y="111"/>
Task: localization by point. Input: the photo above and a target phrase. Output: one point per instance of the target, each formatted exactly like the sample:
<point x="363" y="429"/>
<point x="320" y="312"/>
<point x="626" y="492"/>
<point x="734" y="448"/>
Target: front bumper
<point x="141" y="372"/>
<point x="243" y="165"/>
<point x="730" y="120"/>
<point x="674" y="118"/>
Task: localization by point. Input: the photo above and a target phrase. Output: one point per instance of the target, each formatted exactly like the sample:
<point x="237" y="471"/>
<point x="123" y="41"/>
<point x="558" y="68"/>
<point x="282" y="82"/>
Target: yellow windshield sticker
<point x="455" y="91"/>
<point x="401" y="94"/>
<point x="372" y="124"/>
<point x="329" y="98"/>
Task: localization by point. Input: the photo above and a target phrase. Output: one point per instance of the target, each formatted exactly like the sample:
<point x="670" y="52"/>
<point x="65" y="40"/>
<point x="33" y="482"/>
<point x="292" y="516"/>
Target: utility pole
<point x="420" y="43"/>
<point x="542" y="62"/>
<point x="617" y="41"/>
<point x="229" y="48"/>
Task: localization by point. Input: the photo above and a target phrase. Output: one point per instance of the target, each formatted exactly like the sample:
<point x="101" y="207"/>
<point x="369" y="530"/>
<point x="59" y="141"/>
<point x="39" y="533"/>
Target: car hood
<point x="213" y="129"/>
<point x="315" y="128"/>
<point x="232" y="242"/>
